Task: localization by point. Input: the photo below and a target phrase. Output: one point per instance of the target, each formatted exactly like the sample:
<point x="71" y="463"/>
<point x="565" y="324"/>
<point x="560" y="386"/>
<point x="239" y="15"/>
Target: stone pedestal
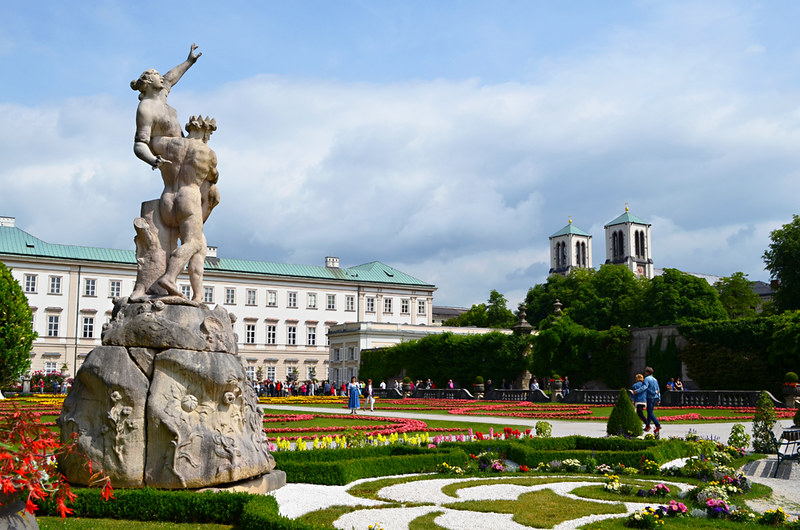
<point x="165" y="403"/>
<point x="555" y="390"/>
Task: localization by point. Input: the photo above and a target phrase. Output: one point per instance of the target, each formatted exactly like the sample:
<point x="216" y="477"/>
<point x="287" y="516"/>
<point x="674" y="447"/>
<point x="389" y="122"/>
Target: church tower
<point x="570" y="248"/>
<point x="628" y="243"/>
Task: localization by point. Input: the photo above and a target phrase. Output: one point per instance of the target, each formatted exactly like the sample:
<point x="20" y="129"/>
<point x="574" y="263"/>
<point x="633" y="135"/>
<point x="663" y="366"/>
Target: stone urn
<point x="556" y="385"/>
<point x="791" y="390"/>
<point x="13" y="515"/>
<point x="407" y="388"/>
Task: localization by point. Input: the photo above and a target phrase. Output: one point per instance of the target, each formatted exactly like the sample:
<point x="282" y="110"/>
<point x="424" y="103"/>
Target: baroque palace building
<point x="283" y="311"/>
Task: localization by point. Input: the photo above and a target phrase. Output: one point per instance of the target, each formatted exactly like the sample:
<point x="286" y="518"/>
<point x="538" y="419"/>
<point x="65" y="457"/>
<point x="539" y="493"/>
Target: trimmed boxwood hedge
<point x="605" y="450"/>
<point x="317" y="467"/>
<point x="242" y="510"/>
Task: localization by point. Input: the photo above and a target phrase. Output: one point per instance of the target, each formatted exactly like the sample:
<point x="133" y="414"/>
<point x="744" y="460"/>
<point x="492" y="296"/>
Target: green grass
<point x="74" y="523"/>
<point x="540" y="509"/>
<point x="452" y="489"/>
<point x="425" y="522"/>
<point x="327" y="516"/>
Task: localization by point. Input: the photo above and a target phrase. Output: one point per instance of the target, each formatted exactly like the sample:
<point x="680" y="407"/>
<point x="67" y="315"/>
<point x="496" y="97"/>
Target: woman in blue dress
<point x="353" y="392"/>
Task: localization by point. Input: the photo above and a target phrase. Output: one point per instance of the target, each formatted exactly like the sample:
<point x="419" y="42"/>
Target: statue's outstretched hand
<point x="160" y="162"/>
<point x="194" y="56"/>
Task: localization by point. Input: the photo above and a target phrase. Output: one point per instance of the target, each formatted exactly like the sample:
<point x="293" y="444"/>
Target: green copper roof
<point x="570" y="229"/>
<point x="627" y="217"/>
<point x="18" y="242"/>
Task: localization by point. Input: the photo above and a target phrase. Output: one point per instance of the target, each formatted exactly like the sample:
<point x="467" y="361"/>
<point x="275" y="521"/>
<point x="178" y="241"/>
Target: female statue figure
<point x="188" y="168"/>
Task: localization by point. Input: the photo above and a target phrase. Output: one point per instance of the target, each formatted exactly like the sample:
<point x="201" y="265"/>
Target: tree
<point x="594" y="299"/>
<point x="16" y="330"/>
<point x="737" y="296"/>
<point x="623" y="420"/>
<point x="495" y="314"/>
<point x="678" y="298"/>
<point x="763" y="421"/>
<point x="781" y="259"/>
<point x="498" y="315"/>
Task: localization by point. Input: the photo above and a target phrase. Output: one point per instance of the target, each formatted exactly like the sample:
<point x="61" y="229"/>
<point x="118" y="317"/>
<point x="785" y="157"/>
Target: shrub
<point x="739" y="438"/>
<point x="406" y="380"/>
<point x="479" y="380"/>
<point x="543" y="429"/>
<point x="763" y="421"/>
<point x="790" y="377"/>
<point x="623" y="419"/>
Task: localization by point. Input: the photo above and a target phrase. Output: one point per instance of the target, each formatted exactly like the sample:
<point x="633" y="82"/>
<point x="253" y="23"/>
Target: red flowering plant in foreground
<point x="28" y="467"/>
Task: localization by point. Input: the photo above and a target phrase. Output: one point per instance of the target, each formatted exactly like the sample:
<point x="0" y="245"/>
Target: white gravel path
<point x="295" y="500"/>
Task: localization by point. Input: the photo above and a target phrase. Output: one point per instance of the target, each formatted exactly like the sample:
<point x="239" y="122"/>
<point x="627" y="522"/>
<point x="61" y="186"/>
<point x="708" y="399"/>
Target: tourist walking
<point x="353" y="391"/>
<point x="653" y="399"/>
<point x="369" y="394"/>
<point x="640" y="397"/>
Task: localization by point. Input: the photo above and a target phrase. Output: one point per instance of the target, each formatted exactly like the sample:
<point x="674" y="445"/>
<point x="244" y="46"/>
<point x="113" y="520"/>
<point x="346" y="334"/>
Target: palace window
<point x="272" y="334"/>
<point x="251" y="297"/>
<point x="249" y="333"/>
<point x="331" y="302"/>
<point x="186" y="290"/>
<point x="421" y="306"/>
<point x="404" y="303"/>
<point x="230" y="295"/>
<point x="291" y="335"/>
<point x="350" y="303"/>
<point x="312" y="335"/>
<point x="312" y="300"/>
<point x="55" y="285"/>
<point x="88" y="327"/>
<point x="370" y="304"/>
<point x="208" y="295"/>
<point x="387" y="305"/>
<point x="30" y="283"/>
<point x="272" y="298"/>
<point x="90" y="287"/>
<point x="114" y="288"/>
<point x="292" y="300"/>
<point x="52" y="325"/>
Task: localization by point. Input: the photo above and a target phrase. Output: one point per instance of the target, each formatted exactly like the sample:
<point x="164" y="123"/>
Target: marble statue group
<point x="164" y="401"/>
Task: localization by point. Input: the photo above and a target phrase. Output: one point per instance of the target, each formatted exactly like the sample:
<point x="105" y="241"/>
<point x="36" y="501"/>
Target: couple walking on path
<point x="646" y="395"/>
<point x="354" y="394"/>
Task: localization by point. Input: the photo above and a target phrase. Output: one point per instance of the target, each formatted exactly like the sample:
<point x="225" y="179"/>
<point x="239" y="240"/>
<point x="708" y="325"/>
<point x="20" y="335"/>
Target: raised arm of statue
<point x="174" y="75"/>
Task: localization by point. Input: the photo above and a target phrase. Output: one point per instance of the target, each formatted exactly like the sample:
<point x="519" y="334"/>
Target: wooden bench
<point x="785" y="449"/>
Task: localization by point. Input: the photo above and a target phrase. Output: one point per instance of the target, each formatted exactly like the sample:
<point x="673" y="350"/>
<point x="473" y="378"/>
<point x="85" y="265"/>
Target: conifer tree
<point x="623" y="420"/>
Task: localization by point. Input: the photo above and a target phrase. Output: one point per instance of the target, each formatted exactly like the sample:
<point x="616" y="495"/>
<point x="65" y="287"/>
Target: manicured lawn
<point x="74" y="523"/>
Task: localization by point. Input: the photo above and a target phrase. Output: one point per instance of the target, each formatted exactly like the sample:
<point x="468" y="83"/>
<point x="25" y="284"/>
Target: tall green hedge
<point x="447" y="356"/>
<point x="743" y="354"/>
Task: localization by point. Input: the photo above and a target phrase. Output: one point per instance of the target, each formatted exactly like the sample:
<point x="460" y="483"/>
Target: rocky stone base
<point x="168" y="417"/>
<point x="262" y="485"/>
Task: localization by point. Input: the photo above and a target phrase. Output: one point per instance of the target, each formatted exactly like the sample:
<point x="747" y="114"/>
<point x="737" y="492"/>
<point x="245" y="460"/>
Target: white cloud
<point x="458" y="182"/>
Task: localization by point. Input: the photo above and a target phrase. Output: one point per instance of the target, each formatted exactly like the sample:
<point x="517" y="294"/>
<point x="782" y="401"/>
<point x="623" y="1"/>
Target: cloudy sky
<point x="447" y="139"/>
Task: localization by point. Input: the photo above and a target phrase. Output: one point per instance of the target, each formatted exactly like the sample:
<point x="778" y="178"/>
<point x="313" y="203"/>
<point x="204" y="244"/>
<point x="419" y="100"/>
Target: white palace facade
<point x="283" y="311"/>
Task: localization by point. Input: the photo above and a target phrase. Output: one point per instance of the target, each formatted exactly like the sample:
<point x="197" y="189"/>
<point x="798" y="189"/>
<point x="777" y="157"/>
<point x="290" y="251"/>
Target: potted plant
<point x="790" y="384"/>
<point x="406" y="384"/>
<point x="478" y="384"/>
<point x="555" y="383"/>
